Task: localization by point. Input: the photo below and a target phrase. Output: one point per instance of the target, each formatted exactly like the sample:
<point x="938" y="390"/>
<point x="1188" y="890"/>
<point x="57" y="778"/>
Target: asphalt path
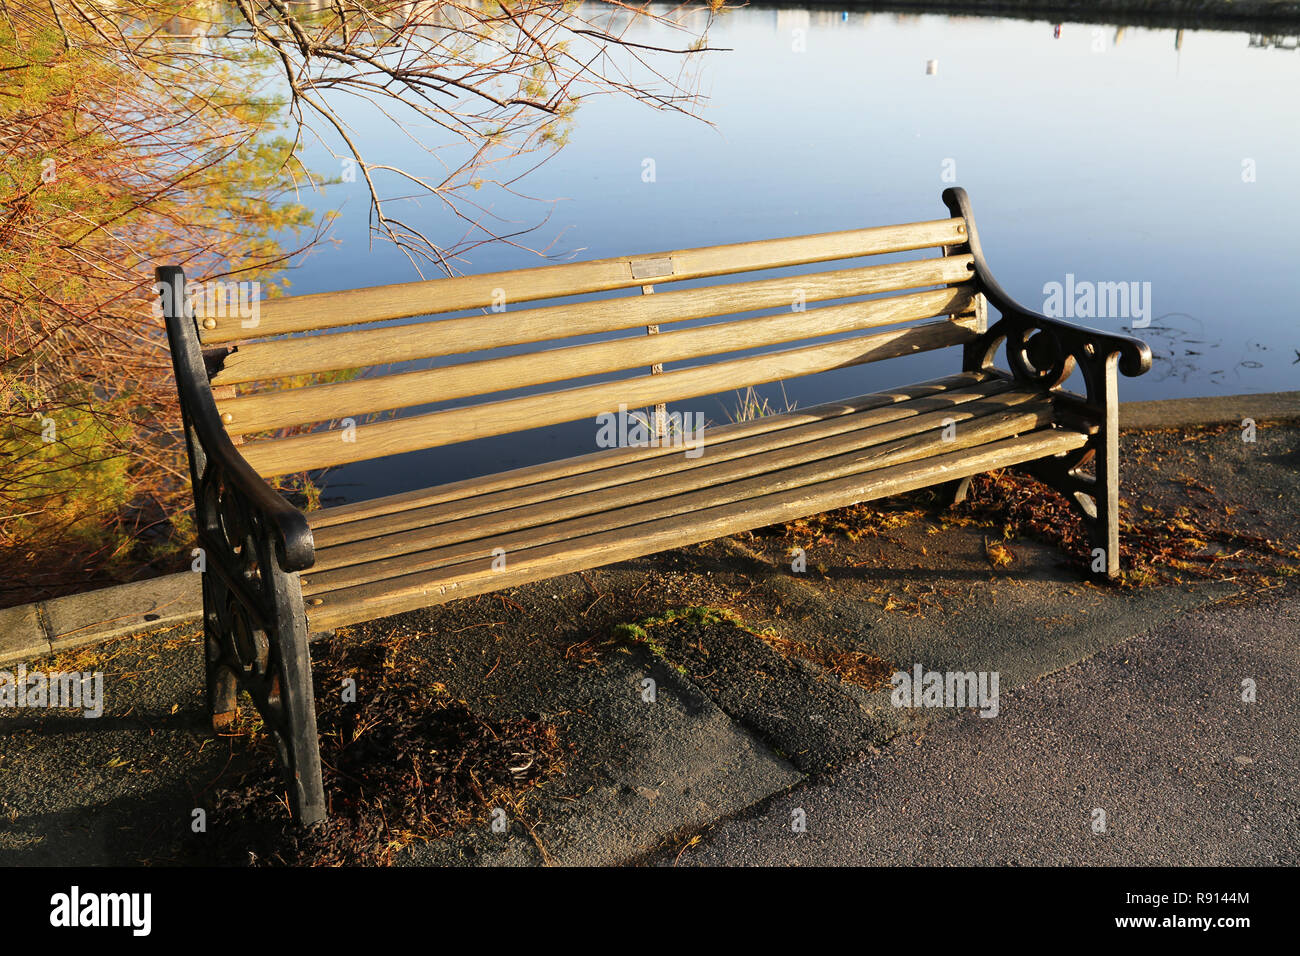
<point x="1152" y="733"/>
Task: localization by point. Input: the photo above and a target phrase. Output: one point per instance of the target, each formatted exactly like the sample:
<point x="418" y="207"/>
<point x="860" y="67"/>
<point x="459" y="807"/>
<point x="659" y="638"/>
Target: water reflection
<point x="1274" y="41"/>
<point x="1115" y="153"/>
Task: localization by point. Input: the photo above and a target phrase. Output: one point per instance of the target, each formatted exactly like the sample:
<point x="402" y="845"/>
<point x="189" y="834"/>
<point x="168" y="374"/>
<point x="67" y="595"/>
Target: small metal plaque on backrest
<point x="652" y="268"/>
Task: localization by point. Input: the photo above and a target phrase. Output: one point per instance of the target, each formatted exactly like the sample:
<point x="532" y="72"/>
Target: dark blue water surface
<point x="1136" y="155"/>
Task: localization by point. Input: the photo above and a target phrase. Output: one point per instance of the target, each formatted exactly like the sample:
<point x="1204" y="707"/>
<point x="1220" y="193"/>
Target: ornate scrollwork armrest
<point x="1041" y="348"/>
<point x="1067" y="338"/>
<point x="246" y="490"/>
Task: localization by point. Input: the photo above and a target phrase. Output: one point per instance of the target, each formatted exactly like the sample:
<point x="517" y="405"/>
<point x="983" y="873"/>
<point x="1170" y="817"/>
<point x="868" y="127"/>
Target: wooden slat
<point x="261" y="361"/>
<point x="271" y="410"/>
<point x="683" y="492"/>
<point x="321" y="449"/>
<point x="358" y="306"/>
<point x="861" y="426"/>
<point x="422" y="589"/>
<point x="520" y="479"/>
<point x="511" y="540"/>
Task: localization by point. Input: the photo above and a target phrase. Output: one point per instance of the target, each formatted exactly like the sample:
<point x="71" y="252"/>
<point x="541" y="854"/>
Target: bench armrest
<point x="216" y="461"/>
<point x="1068" y="338"/>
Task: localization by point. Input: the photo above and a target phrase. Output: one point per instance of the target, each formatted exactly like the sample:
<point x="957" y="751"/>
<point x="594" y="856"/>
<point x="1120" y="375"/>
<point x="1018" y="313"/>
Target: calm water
<point x="1112" y="155"/>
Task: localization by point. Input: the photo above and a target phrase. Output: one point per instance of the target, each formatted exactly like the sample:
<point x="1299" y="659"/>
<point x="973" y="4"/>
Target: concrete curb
<point x="31" y="631"/>
<point x="1215" y="410"/>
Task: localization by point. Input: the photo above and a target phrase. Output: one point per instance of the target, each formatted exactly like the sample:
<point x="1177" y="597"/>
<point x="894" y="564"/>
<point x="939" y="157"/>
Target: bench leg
<point x="1095" y="496"/>
<point x="297" y="735"/>
<point x="257" y="642"/>
<point x="1095" y="500"/>
<point x="954" y="492"/>
<point x="1103" y="446"/>
<point x="1105" y="526"/>
<point x="223" y="686"/>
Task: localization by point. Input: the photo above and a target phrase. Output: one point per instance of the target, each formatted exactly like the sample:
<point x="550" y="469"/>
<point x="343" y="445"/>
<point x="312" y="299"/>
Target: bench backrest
<point x="258" y="396"/>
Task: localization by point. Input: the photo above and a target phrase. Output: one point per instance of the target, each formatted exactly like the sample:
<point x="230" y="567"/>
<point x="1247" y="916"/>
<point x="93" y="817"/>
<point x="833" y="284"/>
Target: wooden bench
<point x="243" y="415"/>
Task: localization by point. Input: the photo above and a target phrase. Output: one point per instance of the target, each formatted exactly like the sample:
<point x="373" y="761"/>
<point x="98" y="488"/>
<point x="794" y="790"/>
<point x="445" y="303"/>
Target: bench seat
<point x="408" y="551"/>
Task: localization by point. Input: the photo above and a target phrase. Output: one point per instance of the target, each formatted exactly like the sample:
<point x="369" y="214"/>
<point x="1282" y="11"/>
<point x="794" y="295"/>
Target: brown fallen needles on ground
<point x="403" y="763"/>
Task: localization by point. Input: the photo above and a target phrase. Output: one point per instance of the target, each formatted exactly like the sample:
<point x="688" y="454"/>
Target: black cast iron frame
<point x="253" y="544"/>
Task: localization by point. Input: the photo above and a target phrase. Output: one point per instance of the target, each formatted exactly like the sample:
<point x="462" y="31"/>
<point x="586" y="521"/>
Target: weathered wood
<point x="280" y="409"/>
<point x="519" y="480"/>
<point x="860" y="427"/>
<point x="684" y="493"/>
<point x="422" y="589"/>
<point x="264" y="361"/>
<point x="359" y="306"/>
<point x="321" y="449"/>
<point x="658" y="477"/>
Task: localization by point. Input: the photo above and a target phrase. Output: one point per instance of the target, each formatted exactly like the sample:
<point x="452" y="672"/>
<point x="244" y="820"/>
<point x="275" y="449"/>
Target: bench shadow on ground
<point x="122" y="788"/>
